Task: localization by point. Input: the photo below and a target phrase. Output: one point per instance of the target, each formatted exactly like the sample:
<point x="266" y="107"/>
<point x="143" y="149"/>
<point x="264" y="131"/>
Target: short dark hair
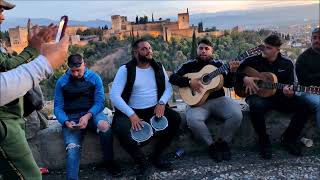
<point x="205" y="41"/>
<point x="273" y="40"/>
<point x="75" y="60"/>
<point x="136" y="43"/>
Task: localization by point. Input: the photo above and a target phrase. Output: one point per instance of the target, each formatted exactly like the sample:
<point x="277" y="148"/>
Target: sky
<point x="84" y="10"/>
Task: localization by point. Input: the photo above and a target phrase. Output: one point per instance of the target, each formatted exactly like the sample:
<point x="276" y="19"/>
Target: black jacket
<point x="308" y="68"/>
<point x="282" y="67"/>
<point x="195" y="66"/>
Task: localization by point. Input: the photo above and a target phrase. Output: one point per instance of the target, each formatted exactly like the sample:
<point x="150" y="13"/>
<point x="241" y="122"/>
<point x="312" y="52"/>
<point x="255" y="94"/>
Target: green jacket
<point x="14" y="109"/>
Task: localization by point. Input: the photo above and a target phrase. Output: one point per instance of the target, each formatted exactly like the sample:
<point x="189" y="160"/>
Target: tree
<point x="200" y="27"/>
<point x="79" y="32"/>
<point x="193" y="51"/>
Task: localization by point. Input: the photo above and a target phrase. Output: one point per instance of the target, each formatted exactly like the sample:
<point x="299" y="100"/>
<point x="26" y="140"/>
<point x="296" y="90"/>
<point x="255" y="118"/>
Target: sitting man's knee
<point x="194" y="123"/>
<point x="256" y="105"/>
<point x="237" y="116"/>
<point x="72" y="146"/>
<point x="103" y="126"/>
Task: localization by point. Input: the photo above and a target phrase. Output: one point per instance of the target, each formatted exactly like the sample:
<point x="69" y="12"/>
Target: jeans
<point x="222" y="107"/>
<point x="260" y="105"/>
<point x="73" y="141"/>
<point x="314" y="102"/>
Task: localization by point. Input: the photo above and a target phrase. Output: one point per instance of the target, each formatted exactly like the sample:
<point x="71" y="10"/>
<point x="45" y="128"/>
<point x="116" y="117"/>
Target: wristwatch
<point x="161" y="102"/>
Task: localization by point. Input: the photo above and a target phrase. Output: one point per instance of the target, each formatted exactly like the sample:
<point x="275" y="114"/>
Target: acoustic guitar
<point x="268" y="84"/>
<point x="211" y="79"/>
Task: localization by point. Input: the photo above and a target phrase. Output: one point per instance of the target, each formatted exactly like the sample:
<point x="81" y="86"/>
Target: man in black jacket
<point x="272" y="61"/>
<point x="307" y="69"/>
<point x="217" y="103"/>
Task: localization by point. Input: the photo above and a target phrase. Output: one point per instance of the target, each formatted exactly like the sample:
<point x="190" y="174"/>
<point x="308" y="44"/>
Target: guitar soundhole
<point x="206" y="79"/>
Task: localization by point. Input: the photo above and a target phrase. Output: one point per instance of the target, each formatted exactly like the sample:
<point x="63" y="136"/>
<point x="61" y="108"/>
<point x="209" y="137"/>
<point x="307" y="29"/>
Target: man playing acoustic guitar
<point x="273" y="61"/>
<point x="217" y="103"/>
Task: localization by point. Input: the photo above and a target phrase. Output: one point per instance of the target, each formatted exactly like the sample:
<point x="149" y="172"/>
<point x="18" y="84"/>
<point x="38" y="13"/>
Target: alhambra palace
<point x="122" y="28"/>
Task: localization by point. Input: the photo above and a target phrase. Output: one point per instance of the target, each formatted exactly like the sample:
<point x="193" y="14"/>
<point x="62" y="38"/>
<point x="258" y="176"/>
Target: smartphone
<point x="62" y="28"/>
<point x="76" y="125"/>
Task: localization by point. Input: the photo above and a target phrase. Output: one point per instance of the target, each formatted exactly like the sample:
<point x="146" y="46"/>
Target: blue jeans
<point x="73" y="141"/>
<point x="314" y="102"/>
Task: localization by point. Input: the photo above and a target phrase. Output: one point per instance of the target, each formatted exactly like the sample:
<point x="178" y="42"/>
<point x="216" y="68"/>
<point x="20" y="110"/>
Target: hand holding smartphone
<point x="62" y="28"/>
<point x="76" y="126"/>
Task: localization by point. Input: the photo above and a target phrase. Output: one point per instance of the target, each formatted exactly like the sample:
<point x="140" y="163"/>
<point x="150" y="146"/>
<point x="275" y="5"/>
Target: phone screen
<point x="76" y="126"/>
<point x="62" y="28"/>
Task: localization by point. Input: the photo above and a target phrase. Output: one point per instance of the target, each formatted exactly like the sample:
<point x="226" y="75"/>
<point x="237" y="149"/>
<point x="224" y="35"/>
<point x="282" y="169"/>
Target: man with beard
<point x="285" y="100"/>
<point x="217" y="103"/>
<point x="307" y="70"/>
<point x="140" y="90"/>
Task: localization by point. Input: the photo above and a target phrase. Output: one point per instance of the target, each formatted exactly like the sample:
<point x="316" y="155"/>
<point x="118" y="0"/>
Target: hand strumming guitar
<point x="251" y="86"/>
<point x="196" y="85"/>
<point x="234" y="65"/>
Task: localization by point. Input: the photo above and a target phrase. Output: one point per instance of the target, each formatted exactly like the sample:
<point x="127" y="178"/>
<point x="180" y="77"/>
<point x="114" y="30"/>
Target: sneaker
<point x="265" y="149"/>
<point x="293" y="147"/>
<point x="226" y="153"/>
<point x="142" y="170"/>
<point x="162" y="164"/>
<point x="113" y="169"/>
<point x="215" y="152"/>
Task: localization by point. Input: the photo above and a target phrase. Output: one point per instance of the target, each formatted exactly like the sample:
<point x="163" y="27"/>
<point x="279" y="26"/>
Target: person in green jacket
<point x="16" y="160"/>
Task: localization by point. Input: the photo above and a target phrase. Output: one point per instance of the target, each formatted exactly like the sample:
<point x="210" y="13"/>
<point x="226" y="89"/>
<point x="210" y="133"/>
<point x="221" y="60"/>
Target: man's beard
<point x="316" y="48"/>
<point x="204" y="58"/>
<point x="144" y="59"/>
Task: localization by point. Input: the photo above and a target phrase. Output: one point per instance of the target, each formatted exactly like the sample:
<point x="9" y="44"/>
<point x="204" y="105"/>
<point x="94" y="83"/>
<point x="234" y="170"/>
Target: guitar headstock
<point x="251" y="52"/>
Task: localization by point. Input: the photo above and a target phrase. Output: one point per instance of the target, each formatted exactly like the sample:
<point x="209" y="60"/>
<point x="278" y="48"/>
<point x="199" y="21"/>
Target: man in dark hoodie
<point x="308" y="71"/>
<point x="271" y="60"/>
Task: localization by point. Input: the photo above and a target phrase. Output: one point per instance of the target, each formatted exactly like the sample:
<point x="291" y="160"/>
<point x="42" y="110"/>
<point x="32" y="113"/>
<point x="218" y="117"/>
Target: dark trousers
<point x="122" y="124"/>
<point x="259" y="106"/>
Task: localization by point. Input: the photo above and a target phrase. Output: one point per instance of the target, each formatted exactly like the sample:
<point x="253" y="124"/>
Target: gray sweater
<point x="16" y="82"/>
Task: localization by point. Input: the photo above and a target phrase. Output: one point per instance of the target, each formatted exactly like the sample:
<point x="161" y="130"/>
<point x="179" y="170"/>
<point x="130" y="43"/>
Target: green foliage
<point x="193" y="51"/>
<point x="171" y="54"/>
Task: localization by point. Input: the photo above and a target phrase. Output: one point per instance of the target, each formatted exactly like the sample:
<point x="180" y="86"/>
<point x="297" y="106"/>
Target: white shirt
<point x="144" y="91"/>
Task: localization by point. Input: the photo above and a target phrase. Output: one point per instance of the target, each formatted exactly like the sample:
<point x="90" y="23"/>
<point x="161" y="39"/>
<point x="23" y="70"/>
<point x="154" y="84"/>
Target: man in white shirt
<point x="140" y="90"/>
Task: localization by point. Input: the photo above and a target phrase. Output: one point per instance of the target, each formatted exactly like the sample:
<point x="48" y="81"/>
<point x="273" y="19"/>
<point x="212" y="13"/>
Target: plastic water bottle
<point x="179" y="153"/>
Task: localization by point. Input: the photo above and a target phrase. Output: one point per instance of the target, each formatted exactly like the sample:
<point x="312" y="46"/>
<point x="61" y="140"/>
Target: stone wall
<point x="48" y="146"/>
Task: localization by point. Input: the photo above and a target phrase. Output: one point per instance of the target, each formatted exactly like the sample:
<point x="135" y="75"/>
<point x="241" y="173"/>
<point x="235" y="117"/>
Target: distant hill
<point x="251" y="19"/>
<point x="13" y="22"/>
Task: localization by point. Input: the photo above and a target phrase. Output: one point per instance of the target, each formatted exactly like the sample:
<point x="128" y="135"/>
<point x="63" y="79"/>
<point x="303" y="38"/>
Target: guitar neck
<point x="225" y="68"/>
<point x="297" y="88"/>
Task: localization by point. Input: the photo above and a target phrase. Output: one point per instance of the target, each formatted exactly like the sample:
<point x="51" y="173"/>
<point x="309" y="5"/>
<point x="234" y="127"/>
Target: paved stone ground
<point x="245" y="164"/>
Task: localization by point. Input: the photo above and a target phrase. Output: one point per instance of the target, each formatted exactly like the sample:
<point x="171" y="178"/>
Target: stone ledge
<point x="48" y="146"/>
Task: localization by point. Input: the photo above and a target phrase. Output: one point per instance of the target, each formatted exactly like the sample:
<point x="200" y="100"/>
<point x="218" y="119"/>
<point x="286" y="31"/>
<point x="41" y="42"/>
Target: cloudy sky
<point x="103" y="9"/>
